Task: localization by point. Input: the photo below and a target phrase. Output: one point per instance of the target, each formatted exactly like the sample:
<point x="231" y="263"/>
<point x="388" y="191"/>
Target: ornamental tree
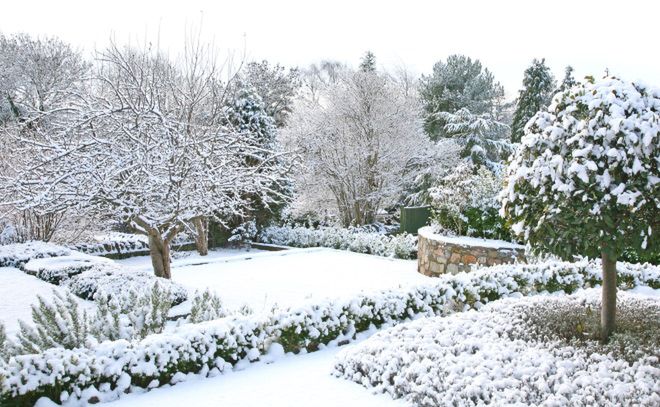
<point x="585" y="179"/>
<point x="538" y="88"/>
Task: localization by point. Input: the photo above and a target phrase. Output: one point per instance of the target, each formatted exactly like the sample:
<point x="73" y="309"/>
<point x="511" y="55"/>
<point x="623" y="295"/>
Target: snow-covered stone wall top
<point x="466" y="241"/>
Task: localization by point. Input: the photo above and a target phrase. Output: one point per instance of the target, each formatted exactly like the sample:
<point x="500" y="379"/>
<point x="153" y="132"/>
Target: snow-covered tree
<point x="276" y="86"/>
<point x="130" y="151"/>
<point x="568" y="81"/>
<point x="368" y="62"/>
<point x="358" y="142"/>
<point x="538" y="88"/>
<point x="586" y="177"/>
<point x="458" y="83"/>
<point x="484" y="139"/>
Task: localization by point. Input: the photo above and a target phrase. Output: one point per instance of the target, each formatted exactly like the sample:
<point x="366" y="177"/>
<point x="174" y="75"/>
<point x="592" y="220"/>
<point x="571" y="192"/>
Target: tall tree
<point x="368" y="63"/>
<point x="586" y="180"/>
<point x="568" y="81"/>
<point x="538" y="88"/>
<point x="458" y="83"/>
<point x="276" y="86"/>
<point x="129" y="151"/>
<point x="358" y="143"/>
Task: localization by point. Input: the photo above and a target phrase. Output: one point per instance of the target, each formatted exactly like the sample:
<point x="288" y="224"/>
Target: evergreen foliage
<point x="538" y="88"/>
<point x="568" y="81"/>
<point x="368" y="63"/>
<point x="458" y="83"/>
<point x="206" y="306"/>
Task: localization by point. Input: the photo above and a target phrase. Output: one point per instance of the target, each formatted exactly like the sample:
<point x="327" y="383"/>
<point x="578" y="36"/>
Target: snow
<point x="294" y="380"/>
<point x="428" y="233"/>
<point x="262" y="279"/>
<point x="17" y="292"/>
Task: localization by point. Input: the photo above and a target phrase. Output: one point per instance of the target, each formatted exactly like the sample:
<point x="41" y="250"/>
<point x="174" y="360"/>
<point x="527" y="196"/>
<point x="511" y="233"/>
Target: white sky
<point x="505" y="34"/>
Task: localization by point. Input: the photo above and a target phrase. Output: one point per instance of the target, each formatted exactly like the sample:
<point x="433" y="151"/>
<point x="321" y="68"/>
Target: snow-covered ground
<point x="17" y="292"/>
<point x="292" y="381"/>
<point x="262" y="279"/>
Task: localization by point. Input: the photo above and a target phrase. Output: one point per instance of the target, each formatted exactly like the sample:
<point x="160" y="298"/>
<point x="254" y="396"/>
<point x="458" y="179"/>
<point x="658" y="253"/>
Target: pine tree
<point x="459" y="83"/>
<point x="568" y="80"/>
<point x="368" y="63"/>
<point x="538" y="88"/>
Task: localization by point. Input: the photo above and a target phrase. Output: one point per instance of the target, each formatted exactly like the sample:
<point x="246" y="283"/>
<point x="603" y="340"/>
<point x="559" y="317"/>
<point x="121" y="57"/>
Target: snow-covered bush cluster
<point x="465" y="202"/>
<point x="116" y="243"/>
<point x="57" y="269"/>
<point x="16" y="255"/>
<point x="403" y="246"/>
<point x="111" y="368"/>
<point x="112" y="280"/>
<point x="496" y="357"/>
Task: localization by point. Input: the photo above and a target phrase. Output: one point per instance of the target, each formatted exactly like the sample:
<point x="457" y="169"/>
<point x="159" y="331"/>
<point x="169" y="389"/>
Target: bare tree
<point x="134" y="149"/>
<point x="357" y="139"/>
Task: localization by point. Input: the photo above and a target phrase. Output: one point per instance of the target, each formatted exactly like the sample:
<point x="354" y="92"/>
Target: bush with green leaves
<point x="465" y="203"/>
<point x="215" y="346"/>
<point x="206" y="306"/>
<point x="586" y="177"/>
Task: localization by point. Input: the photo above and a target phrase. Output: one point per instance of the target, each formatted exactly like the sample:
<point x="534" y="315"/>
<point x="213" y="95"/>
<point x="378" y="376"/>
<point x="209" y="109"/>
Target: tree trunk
<point x="608" y="306"/>
<point x="202" y="235"/>
<point x="159" y="249"/>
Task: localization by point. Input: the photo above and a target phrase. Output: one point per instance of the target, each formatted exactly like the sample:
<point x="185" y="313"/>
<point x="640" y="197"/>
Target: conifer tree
<point x="538" y="88"/>
<point x="568" y="80"/>
<point x="368" y="63"/>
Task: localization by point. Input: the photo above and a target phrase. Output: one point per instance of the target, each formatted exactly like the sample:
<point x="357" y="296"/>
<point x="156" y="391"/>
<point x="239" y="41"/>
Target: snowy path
<point x="293" y="381"/>
<point x="291" y="277"/>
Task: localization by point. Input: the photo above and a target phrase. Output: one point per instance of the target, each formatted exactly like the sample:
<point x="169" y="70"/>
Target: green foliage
<point x="206" y="306"/>
<point x="60" y="323"/>
<point x="538" y="88"/>
<point x="368" y="63"/>
<point x="4" y="344"/>
<point x="458" y="83"/>
<point x="632" y="255"/>
<point x="477" y="222"/>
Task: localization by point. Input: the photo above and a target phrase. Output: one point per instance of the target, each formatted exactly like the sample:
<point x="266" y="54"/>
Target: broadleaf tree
<point x="128" y="151"/>
<point x="586" y="180"/>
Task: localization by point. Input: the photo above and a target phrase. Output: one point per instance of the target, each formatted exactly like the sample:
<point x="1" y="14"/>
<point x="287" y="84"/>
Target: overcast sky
<point x="622" y="36"/>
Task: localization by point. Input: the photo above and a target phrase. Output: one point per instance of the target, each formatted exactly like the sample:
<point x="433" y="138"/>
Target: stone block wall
<point x="438" y="254"/>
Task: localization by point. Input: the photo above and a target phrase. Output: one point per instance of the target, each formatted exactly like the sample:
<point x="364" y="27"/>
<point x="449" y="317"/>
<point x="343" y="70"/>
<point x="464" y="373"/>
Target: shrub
<point x="16" y="255"/>
<point x="509" y="353"/>
<point x="4" y="344"/>
<point x="54" y="270"/>
<point x="113" y="281"/>
<point x="108" y="369"/>
<point x="206" y="306"/>
<point x="60" y="323"/>
<point x="402" y="246"/>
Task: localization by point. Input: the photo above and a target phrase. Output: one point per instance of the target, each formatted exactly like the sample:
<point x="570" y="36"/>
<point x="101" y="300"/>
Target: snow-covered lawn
<point x="292" y="381"/>
<point x="17" y="292"/>
<point x="262" y="279"/>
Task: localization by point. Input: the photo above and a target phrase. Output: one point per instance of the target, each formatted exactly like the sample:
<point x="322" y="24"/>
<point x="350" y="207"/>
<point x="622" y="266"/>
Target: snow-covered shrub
<point x="131" y="314"/>
<point x="498" y="356"/>
<point x="206" y="306"/>
<point x="107" y="370"/>
<point x="402" y="246"/>
<point x="17" y="254"/>
<point x="112" y="280"/>
<point x="116" y="243"/>
<point x="244" y="232"/>
<point x="4" y="344"/>
<point x="59" y="322"/>
<point x="57" y="269"/>
<point x="465" y="203"/>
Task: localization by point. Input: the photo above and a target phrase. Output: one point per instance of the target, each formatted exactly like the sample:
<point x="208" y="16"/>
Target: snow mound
<point x="17" y="254"/>
<point x="57" y="269"/>
<point x="497" y="356"/>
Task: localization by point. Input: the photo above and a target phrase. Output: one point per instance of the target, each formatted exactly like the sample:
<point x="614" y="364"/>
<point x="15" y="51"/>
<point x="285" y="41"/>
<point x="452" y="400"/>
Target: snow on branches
<point x="146" y="145"/>
<point x="586" y="175"/>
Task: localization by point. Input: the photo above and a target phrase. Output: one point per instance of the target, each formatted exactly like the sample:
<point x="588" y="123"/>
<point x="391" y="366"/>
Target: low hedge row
<point x="112" y="368"/>
<point x="17" y="254"/>
<point x="402" y="246"/>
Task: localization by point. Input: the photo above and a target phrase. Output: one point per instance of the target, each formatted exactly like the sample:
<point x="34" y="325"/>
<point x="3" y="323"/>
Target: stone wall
<point x="438" y="254"/>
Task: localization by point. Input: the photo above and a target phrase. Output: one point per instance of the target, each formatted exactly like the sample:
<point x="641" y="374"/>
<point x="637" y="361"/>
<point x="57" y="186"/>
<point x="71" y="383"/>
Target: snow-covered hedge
<point x="113" y="367"/>
<point x="402" y="246"/>
<point x="496" y="357"/>
<point x="57" y="269"/>
<point x="17" y="254"/>
<point x="121" y="244"/>
<point x="113" y="280"/>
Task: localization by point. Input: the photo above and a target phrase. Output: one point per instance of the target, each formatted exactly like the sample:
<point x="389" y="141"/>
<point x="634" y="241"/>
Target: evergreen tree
<point x="538" y="88"/>
<point x="568" y="80"/>
<point x="368" y="63"/>
<point x="458" y="83"/>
